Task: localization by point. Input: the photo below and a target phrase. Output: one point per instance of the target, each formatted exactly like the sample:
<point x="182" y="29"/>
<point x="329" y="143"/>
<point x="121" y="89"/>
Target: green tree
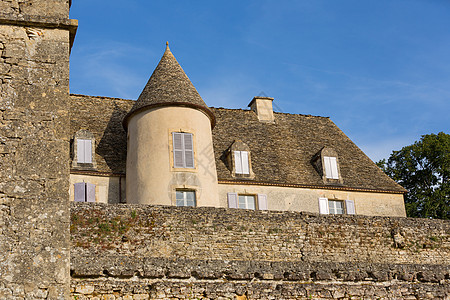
<point x="423" y="168"/>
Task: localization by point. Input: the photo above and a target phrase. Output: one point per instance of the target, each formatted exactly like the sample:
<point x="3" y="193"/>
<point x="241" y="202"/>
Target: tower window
<point x="183" y="150"/>
<point x="185" y="198"/>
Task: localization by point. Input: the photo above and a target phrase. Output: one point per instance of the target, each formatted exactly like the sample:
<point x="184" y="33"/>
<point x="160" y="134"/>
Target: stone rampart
<point x="156" y="252"/>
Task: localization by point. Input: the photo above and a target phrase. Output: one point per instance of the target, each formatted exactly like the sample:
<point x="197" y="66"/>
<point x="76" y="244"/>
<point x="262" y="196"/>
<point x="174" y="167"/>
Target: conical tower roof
<point x="169" y="86"/>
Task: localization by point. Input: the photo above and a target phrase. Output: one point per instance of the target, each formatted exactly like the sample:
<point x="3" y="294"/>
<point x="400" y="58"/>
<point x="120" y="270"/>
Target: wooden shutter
<point x="327" y="163"/>
<point x="88" y="151"/>
<point x="262" y="202"/>
<point x="232" y="200"/>
<point x="334" y="169"/>
<point x="90" y="192"/>
<point x="244" y="160"/>
<point x="323" y="206"/>
<point x="80" y="151"/>
<point x="188" y="150"/>
<point x="350" y="207"/>
<point x="237" y="162"/>
<point x="79" y="191"/>
<point x="178" y="150"/>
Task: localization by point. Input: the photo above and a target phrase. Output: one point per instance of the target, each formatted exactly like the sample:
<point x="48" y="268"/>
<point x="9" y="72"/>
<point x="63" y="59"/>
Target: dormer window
<point x="239" y="160"/>
<point x="83" y="150"/>
<point x="326" y="162"/>
<point x="183" y="150"/>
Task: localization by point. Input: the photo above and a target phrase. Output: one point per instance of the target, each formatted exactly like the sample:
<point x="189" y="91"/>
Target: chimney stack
<point x="263" y="108"/>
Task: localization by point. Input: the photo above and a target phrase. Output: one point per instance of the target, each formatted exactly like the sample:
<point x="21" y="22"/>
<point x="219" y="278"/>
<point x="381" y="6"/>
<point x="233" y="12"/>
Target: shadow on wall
<point x="112" y="147"/>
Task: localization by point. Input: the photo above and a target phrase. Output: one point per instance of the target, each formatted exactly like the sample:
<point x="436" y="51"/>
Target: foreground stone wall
<point x="34" y="149"/>
<point x="156" y="252"/>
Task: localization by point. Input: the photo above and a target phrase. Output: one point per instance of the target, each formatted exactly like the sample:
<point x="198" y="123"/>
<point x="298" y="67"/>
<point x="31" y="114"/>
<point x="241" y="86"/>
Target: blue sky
<point x="380" y="69"/>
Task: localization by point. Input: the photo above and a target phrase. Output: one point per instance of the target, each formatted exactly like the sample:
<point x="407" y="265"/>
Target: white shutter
<point x="237" y="162"/>
<point x="323" y="206"/>
<point x="79" y="192"/>
<point x="232" y="200"/>
<point x="80" y="151"/>
<point x="189" y="150"/>
<point x="90" y="192"/>
<point x="178" y="150"/>
<point x="88" y="151"/>
<point x="327" y="163"/>
<point x="350" y="207"/>
<point x="334" y="169"/>
<point x="244" y="160"/>
<point x="262" y="202"/>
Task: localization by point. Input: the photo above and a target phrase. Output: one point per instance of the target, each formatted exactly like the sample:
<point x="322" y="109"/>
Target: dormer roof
<point x="169" y="86"/>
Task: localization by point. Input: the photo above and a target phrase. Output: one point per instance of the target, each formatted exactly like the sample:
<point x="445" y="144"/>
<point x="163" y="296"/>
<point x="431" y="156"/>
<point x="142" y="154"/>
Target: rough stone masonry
<point x="34" y="149"/>
<point x="160" y="252"/>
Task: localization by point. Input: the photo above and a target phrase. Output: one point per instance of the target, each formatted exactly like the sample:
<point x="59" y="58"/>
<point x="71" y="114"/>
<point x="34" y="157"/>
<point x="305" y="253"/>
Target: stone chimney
<point x="263" y="108"/>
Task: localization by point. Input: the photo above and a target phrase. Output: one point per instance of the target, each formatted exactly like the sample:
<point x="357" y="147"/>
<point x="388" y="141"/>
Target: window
<point x="84" y="151"/>
<point x="331" y="169"/>
<point x="84" y="192"/>
<point x="241" y="162"/>
<point x="185" y="198"/>
<point x="336" y="207"/>
<point x="247" y="201"/>
<point x="183" y="150"/>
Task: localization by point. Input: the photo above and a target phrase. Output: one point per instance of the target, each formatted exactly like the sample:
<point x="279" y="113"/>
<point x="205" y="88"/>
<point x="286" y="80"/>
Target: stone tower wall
<point x="34" y="148"/>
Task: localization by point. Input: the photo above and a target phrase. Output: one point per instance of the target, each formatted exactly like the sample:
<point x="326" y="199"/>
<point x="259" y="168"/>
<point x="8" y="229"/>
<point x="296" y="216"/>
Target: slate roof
<point x="169" y="86"/>
<point x="281" y="153"/>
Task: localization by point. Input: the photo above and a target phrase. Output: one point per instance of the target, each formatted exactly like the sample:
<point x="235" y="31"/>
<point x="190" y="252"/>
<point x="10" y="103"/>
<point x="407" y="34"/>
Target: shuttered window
<point x="183" y="150"/>
<point x="331" y="169"/>
<point x="241" y="163"/>
<point x="185" y="198"/>
<point x="84" y="151"/>
<point x="84" y="192"/>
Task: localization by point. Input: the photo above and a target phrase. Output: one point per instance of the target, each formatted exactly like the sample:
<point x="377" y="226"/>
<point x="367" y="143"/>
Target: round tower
<point x="170" y="156"/>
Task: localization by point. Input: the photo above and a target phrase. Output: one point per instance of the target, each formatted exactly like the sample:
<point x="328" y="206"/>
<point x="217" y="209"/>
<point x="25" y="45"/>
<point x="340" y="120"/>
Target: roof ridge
<point x="275" y="112"/>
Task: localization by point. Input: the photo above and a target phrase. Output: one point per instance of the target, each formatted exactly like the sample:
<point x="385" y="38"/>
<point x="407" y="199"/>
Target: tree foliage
<point x="423" y="168"/>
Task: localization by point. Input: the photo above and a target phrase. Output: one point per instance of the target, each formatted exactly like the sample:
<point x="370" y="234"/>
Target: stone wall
<point x="155" y="252"/>
<point x="34" y="149"/>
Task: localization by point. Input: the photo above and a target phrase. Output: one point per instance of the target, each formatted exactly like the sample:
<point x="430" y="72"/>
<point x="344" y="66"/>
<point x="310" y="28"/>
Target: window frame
<point x="347" y="206"/>
<point x="185" y="200"/>
<point x="179" y="150"/>
<point x="83" y="151"/>
<point x="247" y="196"/>
<point x="260" y="200"/>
